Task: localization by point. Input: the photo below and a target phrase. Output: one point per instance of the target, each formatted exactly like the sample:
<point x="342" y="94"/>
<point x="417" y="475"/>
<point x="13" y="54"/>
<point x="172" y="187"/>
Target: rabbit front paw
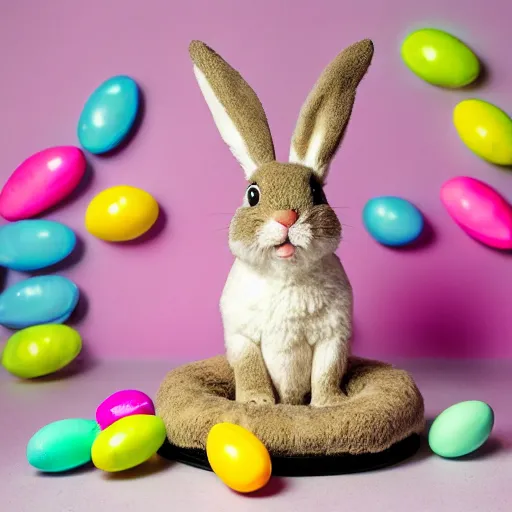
<point x="256" y="398"/>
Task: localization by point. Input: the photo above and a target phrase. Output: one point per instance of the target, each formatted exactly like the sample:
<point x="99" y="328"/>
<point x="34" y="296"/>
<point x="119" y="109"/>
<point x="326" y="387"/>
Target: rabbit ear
<point x="327" y="109"/>
<point x="235" y="108"/>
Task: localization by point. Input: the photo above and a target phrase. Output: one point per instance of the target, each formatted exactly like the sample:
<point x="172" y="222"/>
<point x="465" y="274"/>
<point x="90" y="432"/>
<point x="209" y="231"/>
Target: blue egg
<point x="392" y="221"/>
<point x="38" y="300"/>
<point x="108" y="114"/>
<point x="29" y="245"/>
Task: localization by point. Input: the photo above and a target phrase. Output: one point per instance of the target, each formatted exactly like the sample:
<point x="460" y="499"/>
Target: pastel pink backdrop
<point x="160" y="298"/>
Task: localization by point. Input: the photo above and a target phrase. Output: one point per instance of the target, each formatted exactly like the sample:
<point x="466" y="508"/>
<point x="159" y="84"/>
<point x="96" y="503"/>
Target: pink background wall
<point x="160" y="299"/>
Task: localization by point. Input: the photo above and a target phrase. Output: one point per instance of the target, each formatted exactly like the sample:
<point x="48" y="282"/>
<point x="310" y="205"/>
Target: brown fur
<point x="383" y="406"/>
<point x="253" y="381"/>
<point x="283" y="187"/>
<point x="239" y="100"/>
<point x="329" y="105"/>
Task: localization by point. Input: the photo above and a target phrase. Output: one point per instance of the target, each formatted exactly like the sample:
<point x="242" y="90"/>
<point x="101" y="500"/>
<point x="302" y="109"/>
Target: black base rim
<point x="317" y="465"/>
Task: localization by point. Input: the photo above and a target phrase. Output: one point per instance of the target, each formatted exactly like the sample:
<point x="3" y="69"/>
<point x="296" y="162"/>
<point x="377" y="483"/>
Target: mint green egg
<point x="461" y="429"/>
<point x="62" y="445"/>
<point x="440" y="58"/>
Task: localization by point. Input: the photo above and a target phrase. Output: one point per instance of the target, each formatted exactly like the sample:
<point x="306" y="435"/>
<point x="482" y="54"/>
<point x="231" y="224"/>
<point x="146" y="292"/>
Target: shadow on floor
<point x="86" y="468"/>
<point x="154" y="465"/>
<point x="488" y="449"/>
<point x="275" y="486"/>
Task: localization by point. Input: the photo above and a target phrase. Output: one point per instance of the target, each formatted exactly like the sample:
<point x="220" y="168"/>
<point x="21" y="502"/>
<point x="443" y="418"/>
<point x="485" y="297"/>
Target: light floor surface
<point x="481" y="482"/>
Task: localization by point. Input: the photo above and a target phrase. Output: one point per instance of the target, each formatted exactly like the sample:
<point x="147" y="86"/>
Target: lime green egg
<point x="128" y="442"/>
<point x="440" y="58"/>
<point x="40" y="350"/>
<point x="461" y="429"/>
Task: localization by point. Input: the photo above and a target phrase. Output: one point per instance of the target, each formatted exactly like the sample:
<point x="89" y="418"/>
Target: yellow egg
<point x="121" y="213"/>
<point x="485" y="129"/>
<point x="40" y="350"/>
<point x="238" y="457"/>
<point x="128" y="442"/>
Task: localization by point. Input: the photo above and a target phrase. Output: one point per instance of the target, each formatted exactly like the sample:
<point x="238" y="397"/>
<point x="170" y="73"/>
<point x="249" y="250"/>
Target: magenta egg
<point x="126" y="402"/>
<point x="41" y="181"/>
<point x="479" y="210"/>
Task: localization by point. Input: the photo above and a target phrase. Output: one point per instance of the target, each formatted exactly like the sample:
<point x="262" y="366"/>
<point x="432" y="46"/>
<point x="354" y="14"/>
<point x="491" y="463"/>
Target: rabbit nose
<point x="285" y="217"/>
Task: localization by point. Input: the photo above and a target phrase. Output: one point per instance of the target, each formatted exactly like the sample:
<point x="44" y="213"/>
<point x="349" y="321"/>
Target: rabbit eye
<point x="253" y="195"/>
<point x="317" y="192"/>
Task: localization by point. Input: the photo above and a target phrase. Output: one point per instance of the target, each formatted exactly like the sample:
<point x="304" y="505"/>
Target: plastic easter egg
<point x="123" y="403"/>
<point x="461" y="429"/>
<point x="238" y="457"/>
<point x="42" y="181"/>
<point x="38" y="300"/>
<point x="440" y="58"/>
<point x="485" y="129"/>
<point x="121" y="213"/>
<point x="62" y="445"/>
<point x="479" y="210"/>
<point x="29" y="245"/>
<point x="108" y="114"/>
<point x="128" y="442"/>
<point x="392" y="221"/>
<point x="40" y="350"/>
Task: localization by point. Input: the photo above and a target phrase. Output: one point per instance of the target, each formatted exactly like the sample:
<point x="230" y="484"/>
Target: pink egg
<point x="123" y="403"/>
<point x="41" y="181"/>
<point x="479" y="210"/>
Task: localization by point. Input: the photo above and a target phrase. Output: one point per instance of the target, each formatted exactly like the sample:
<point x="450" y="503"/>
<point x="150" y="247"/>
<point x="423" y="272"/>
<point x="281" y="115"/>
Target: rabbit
<point x="287" y="304"/>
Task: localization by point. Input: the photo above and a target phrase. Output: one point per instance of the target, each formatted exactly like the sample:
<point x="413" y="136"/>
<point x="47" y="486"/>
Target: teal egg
<point x="62" y="445"/>
<point x="461" y="429"/>
<point x="392" y="220"/>
<point x="29" y="245"/>
<point x="46" y="299"/>
<point x="109" y="114"/>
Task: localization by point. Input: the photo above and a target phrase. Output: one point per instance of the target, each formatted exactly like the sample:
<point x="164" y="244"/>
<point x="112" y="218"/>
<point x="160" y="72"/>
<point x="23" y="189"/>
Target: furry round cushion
<point x="384" y="409"/>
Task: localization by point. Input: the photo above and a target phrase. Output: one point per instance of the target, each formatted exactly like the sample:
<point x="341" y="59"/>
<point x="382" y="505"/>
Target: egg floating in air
<point x="461" y="429"/>
<point x="392" y="221"/>
<point x="123" y="403"/>
<point x="29" y="245"/>
<point x="238" y="457"/>
<point x="440" y="58"/>
<point x="41" y="350"/>
<point x="38" y="300"/>
<point x="42" y="181"/>
<point x="62" y="445"/>
<point x="485" y="129"/>
<point x="479" y="210"/>
<point x="121" y="213"/>
<point x="108" y="114"/>
<point x="128" y="442"/>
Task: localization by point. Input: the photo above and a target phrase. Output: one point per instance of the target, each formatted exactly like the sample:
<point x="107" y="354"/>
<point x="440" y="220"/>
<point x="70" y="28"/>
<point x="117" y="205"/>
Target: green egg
<point x="440" y="58"/>
<point x="461" y="429"/>
<point x="40" y="350"/>
<point x="62" y="445"/>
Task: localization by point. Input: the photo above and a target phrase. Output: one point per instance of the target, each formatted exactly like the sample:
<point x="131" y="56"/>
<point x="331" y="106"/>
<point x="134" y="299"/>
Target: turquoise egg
<point x="461" y="429"/>
<point x="29" y="245"/>
<point x="62" y="445"/>
<point x="392" y="220"/>
<point x="38" y="300"/>
<point x="109" y="114"/>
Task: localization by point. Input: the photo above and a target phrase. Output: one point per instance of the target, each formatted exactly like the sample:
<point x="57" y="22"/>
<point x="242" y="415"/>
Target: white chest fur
<point x="286" y="316"/>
